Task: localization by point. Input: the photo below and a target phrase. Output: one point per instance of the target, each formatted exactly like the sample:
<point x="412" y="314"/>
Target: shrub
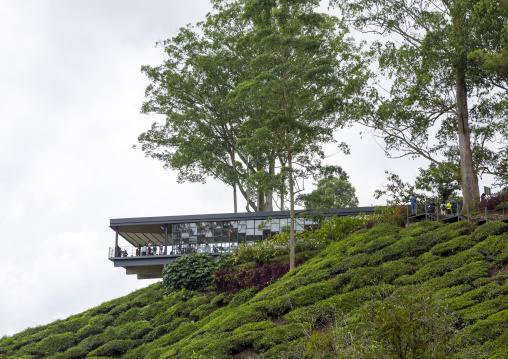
<point x="453" y="246"/>
<point x="493" y="202"/>
<point x="114" y="348"/>
<point x="278" y="245"/>
<point x="407" y="324"/>
<point x="231" y="282"/>
<point x="193" y="272"/>
<point x="243" y="296"/>
<point x="55" y="343"/>
<point x="489" y="229"/>
<point x="337" y="228"/>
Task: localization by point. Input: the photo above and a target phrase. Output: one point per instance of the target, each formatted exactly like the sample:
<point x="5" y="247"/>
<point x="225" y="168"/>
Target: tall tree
<point x="201" y="129"/>
<point x="303" y="83"/>
<point x="434" y="83"/>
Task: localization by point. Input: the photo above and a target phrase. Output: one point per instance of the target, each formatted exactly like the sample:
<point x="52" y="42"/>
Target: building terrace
<point x="173" y="236"/>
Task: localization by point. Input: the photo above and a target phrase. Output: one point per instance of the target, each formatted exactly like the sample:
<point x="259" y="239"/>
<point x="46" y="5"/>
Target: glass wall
<point x="224" y="236"/>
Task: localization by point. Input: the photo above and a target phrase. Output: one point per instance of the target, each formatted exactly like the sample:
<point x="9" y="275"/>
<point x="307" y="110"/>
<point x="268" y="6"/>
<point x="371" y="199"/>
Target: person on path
<point x="443" y="208"/>
<point x="448" y="208"/>
<point x="432" y="207"/>
<point x="413" y="204"/>
<point x="454" y="208"/>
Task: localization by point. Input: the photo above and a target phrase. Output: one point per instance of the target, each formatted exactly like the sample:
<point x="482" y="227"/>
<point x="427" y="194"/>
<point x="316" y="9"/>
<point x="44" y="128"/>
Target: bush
<point x="231" y="282"/>
<point x="114" y="348"/>
<point x="489" y="229"/>
<point x="408" y="324"/>
<point x="193" y="272"/>
<point x="55" y="343"/>
<point x="493" y="202"/>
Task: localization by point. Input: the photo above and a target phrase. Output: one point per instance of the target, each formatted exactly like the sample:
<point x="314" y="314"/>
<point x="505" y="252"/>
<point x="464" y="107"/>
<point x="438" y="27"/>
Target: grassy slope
<point x="465" y="266"/>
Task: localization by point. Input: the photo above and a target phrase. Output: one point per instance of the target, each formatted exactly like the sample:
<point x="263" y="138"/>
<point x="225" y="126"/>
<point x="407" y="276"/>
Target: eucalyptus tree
<point x="305" y="80"/>
<point x="199" y="134"/>
<point x="440" y="99"/>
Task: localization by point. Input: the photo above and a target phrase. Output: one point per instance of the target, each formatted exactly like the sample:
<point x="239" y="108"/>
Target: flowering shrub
<point x="231" y="282"/>
<point x="493" y="202"/>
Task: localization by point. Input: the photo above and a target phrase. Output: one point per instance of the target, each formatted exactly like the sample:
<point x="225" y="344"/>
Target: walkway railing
<point x="131" y="251"/>
<point x="437" y="213"/>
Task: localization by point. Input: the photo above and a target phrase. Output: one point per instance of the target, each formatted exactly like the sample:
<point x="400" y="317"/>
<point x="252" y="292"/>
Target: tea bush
<point x="489" y="229"/>
<point x="437" y="290"/>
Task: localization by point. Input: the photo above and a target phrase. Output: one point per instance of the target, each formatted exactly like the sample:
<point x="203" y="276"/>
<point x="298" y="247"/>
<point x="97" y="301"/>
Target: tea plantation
<point x="427" y="291"/>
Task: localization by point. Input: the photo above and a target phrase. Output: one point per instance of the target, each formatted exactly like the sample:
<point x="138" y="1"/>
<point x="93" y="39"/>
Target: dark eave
<point x="146" y="224"/>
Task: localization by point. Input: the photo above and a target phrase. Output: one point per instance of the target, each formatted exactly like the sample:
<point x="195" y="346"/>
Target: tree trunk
<point x="234" y="198"/>
<point x="470" y="190"/>
<point x="261" y="201"/>
<point x="291" y="215"/>
<point x="269" y="193"/>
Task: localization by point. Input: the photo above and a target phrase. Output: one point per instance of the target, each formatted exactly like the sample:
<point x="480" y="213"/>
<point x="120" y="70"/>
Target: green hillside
<point x="428" y="291"/>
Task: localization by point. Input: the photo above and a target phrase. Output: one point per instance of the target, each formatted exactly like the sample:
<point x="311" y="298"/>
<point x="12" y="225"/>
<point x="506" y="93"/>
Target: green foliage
<point x="193" y="272"/>
<point x="337" y="228"/>
<point x="408" y="324"/>
<point x="113" y="348"/>
<point x="330" y="193"/>
<point x="488" y="229"/>
<point x="436" y="290"/>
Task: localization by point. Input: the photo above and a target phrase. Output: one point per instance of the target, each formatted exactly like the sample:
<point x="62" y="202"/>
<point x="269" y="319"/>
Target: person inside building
<point x="144" y="251"/>
<point x="161" y="249"/>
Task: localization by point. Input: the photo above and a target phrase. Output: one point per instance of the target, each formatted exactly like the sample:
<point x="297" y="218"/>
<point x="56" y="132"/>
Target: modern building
<point x="156" y="241"/>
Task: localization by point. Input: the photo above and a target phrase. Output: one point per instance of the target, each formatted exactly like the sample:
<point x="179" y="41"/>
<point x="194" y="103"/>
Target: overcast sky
<point x="71" y="92"/>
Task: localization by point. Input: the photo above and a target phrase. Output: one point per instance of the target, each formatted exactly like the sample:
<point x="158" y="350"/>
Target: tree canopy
<point x="442" y="104"/>
<point x="331" y="192"/>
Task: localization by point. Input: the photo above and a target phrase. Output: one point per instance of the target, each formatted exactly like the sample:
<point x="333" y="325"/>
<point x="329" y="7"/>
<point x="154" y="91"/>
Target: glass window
<point x="275" y="225"/>
<point x="233" y="236"/>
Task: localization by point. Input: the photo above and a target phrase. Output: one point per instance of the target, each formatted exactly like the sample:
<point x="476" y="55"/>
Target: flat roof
<point x="150" y="221"/>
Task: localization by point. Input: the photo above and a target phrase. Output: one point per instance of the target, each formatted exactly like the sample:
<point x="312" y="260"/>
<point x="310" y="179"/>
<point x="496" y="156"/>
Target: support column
<point x="166" y="240"/>
<point x="116" y="242"/>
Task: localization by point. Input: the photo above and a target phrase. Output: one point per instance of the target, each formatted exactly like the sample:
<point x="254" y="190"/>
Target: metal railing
<point x="437" y="213"/>
<point x="131" y="251"/>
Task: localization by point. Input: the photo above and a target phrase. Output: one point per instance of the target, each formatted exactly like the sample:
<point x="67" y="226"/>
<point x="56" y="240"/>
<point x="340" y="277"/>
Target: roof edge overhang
<point x="119" y="222"/>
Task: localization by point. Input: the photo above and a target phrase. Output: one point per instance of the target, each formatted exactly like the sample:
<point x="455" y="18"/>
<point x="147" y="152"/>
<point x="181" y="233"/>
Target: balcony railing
<point x="130" y="251"/>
